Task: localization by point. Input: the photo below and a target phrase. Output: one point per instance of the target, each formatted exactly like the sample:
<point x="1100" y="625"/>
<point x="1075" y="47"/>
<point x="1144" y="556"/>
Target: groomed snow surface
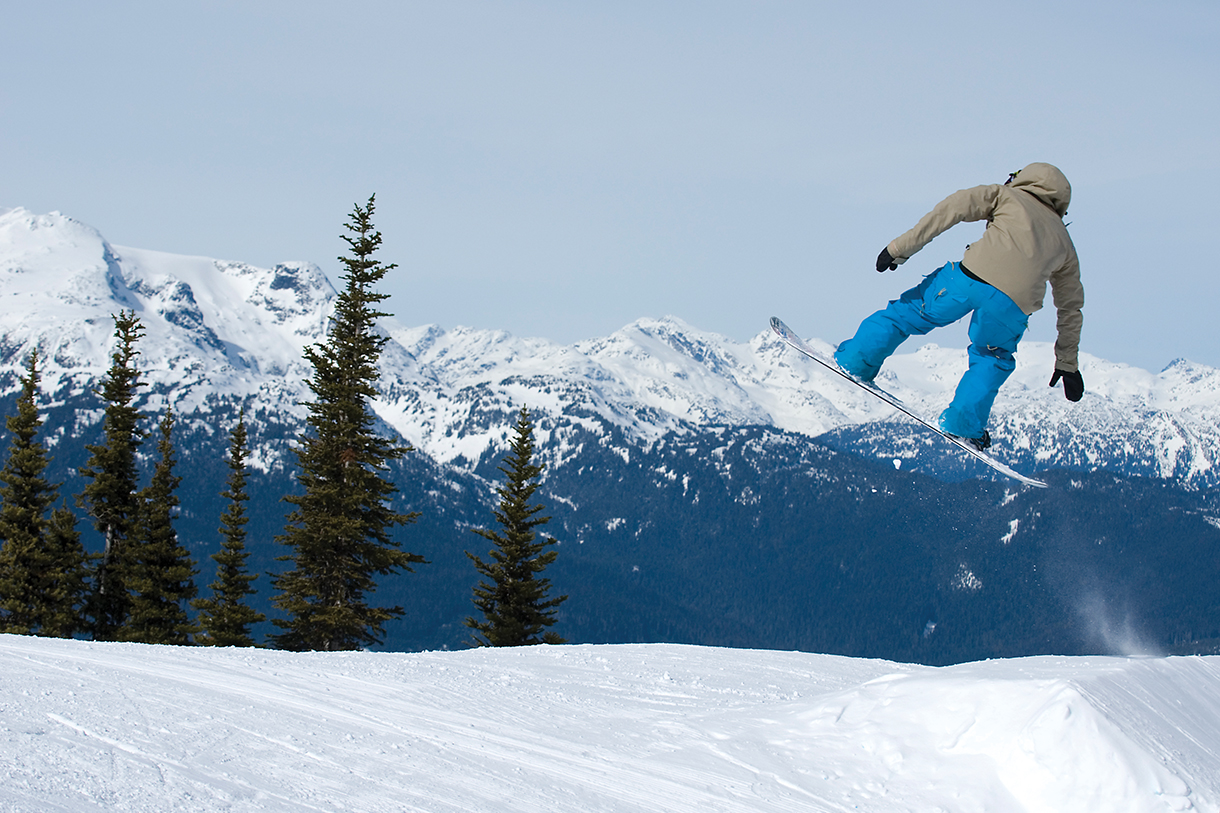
<point x="127" y="727"/>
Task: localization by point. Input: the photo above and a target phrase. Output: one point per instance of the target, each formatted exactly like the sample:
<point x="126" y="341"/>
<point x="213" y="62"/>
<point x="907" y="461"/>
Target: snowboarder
<point x="1001" y="280"/>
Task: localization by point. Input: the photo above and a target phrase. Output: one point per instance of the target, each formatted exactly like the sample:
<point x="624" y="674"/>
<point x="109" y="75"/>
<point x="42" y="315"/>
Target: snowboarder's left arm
<point x="963" y="206"/>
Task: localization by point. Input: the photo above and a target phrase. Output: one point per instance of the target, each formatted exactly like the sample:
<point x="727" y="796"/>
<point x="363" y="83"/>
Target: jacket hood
<point x="1047" y="183"/>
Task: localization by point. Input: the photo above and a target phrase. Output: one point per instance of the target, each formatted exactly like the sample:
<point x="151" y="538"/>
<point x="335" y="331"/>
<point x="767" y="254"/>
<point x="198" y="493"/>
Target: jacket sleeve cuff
<point x="1069" y="363"/>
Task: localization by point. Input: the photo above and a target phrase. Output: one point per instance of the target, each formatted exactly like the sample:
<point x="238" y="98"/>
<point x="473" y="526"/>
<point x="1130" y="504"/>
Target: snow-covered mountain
<point x="210" y="326"/>
<point x="222" y="332"/>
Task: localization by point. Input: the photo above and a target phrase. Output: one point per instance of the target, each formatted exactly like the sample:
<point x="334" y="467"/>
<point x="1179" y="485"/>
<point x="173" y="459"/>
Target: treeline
<point x="339" y="536"/>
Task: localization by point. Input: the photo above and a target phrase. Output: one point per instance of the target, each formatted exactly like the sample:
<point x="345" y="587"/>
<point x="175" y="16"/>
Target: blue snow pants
<point x="943" y="297"/>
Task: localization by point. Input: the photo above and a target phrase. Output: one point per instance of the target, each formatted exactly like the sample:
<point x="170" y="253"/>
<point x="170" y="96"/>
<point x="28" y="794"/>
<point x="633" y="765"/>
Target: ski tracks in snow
<point x="633" y="728"/>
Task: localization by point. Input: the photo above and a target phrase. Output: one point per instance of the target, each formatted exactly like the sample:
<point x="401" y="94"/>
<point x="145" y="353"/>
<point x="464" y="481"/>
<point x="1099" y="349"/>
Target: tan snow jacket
<point x="1024" y="246"/>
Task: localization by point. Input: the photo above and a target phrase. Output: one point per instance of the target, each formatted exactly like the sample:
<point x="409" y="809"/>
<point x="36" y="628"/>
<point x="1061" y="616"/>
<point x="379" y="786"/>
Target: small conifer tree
<point x="69" y="590"/>
<point x="110" y="496"/>
<point x="514" y="600"/>
<point x="340" y="531"/>
<point x="42" y="562"/>
<point x="225" y="618"/>
<point x="161" y="572"/>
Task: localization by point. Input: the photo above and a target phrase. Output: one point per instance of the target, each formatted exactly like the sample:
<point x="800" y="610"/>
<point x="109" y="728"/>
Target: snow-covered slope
<point x="90" y="726"/>
<point x="224" y="332"/>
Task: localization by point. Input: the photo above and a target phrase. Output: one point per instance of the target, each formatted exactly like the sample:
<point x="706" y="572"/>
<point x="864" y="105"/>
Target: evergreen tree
<point x="110" y="496"/>
<point x="69" y="590"/>
<point x="160" y="577"/>
<point x="340" y="531"/>
<point x="514" y="601"/>
<point x="42" y="563"/>
<point x="225" y="618"/>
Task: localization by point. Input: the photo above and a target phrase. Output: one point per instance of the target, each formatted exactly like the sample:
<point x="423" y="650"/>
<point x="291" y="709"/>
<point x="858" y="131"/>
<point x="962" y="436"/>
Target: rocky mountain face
<point x="703" y="489"/>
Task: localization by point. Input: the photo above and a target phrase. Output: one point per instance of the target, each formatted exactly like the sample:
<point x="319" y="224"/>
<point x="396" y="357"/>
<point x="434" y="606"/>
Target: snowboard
<point x="794" y="341"/>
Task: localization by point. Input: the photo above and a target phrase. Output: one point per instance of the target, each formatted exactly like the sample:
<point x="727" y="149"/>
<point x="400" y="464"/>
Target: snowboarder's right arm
<point x="1068" y="295"/>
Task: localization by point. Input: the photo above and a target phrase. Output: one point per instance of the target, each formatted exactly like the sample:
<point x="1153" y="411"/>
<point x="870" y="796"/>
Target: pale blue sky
<point x="560" y="169"/>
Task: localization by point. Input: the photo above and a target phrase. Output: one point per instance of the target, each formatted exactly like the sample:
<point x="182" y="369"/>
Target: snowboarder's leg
<point x="995" y="330"/>
<point x="935" y="302"/>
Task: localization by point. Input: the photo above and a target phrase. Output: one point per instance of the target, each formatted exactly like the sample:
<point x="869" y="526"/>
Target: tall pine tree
<point x="225" y="618"/>
<point x="514" y="600"/>
<point x="340" y="532"/>
<point x="42" y="562"/>
<point x="160" y="577"/>
<point x="111" y="495"/>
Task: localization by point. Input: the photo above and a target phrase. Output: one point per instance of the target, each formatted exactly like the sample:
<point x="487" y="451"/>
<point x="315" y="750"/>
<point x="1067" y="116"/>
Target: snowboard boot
<point x="981" y="444"/>
<point x="859" y="379"/>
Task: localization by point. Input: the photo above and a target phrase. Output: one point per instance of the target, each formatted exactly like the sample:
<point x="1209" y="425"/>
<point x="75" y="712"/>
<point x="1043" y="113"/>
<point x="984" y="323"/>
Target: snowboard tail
<point x="796" y="342"/>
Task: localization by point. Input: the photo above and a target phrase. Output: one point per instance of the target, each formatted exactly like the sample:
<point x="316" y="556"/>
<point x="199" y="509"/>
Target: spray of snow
<point x="1115" y="630"/>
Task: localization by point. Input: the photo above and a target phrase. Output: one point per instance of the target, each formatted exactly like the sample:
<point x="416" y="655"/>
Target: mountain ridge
<point x="227" y="331"/>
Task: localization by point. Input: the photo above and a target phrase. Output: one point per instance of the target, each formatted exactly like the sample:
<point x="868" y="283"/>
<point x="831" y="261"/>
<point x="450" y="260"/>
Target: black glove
<point x="885" y="262"/>
<point x="1073" y="384"/>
